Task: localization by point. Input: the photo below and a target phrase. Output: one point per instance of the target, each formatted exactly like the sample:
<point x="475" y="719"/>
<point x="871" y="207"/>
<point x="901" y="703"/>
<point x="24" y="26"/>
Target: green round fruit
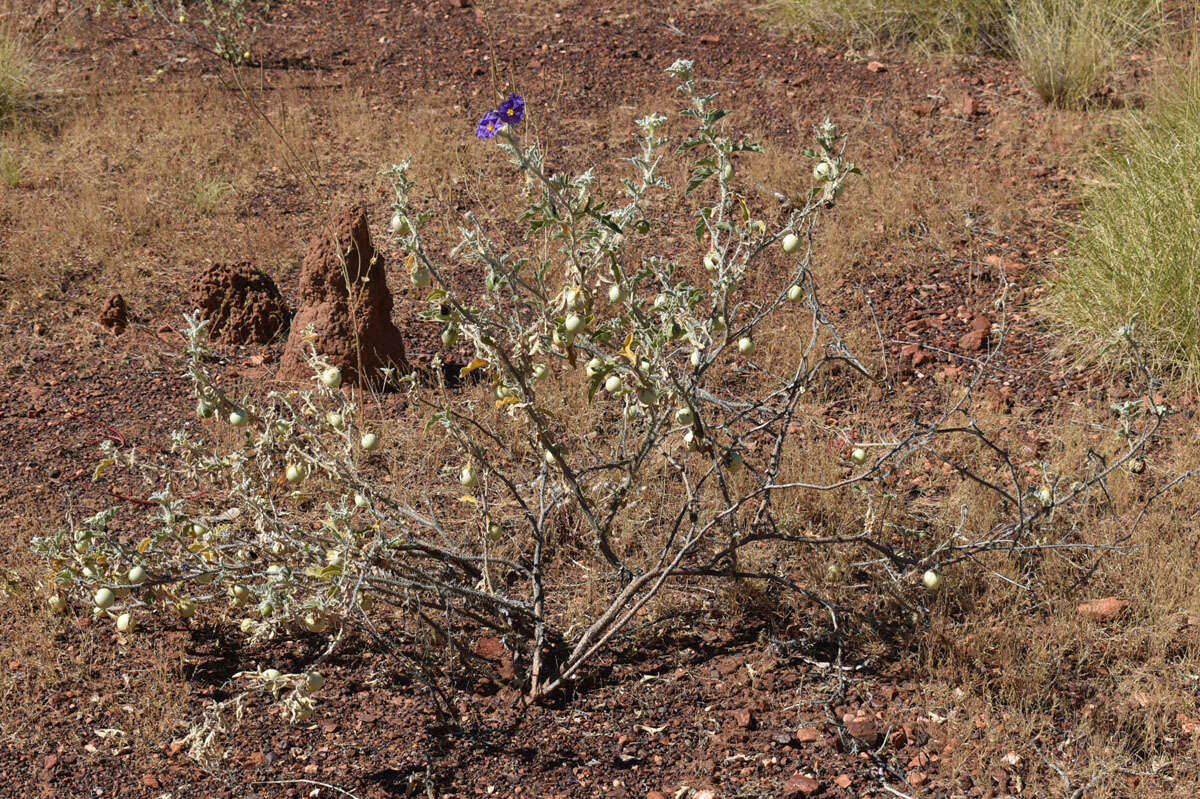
<point x="331" y="377"/>
<point x="746" y="345"/>
<point x="104" y="598"/>
<point x="932" y="580"/>
<point x="238" y="418"/>
<point x="795" y="294"/>
<point x="369" y="442"/>
<point x="791" y="243"/>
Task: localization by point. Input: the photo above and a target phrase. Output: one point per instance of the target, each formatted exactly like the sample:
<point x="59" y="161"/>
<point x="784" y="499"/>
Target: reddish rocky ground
<point x="732" y="706"/>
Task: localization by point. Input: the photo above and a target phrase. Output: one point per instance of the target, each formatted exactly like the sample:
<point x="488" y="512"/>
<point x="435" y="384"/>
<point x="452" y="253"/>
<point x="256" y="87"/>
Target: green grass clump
<point x="1069" y="48"/>
<point x="1136" y="254"/>
<point x="928" y="25"/>
<point x="16" y="71"/>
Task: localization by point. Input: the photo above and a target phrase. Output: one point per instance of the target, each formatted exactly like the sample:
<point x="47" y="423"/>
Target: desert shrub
<point x="930" y="25"/>
<point x="224" y="28"/>
<point x="1136" y="252"/>
<point x="1069" y="48"/>
<point x="650" y="420"/>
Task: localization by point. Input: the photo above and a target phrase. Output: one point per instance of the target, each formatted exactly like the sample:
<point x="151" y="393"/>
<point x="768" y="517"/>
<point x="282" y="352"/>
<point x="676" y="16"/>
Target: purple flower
<point x="512" y="110"/>
<point x="488" y="126"/>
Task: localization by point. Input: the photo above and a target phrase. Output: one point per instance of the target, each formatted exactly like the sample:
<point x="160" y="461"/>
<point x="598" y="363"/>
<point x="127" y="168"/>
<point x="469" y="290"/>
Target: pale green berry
<point x="331" y="377"/>
<point x="335" y="420"/>
<point x="420" y="277"/>
<point x="361" y="501"/>
<point x="271" y="675"/>
<point x="618" y="294"/>
<point x="246" y="626"/>
<point x="550" y="458"/>
<point x="450" y="336"/>
<point x="238" y="418"/>
<point x="296" y="473"/>
<point x="313" y="681"/>
<point x="712" y="261"/>
<point x="104" y="598"/>
<point x="539" y="371"/>
<point x="595" y="366"/>
<point x="137" y="575"/>
<point x="125" y="622"/>
<point x="746" y="345"/>
<point x="791" y="243"/>
<point x="468" y="476"/>
<point x="733" y="460"/>
<point x="859" y="456"/>
<point x="57" y="603"/>
<point x="573" y="324"/>
<point x="684" y="416"/>
<point x="613" y="384"/>
<point x="932" y="580"/>
<point x="795" y="294"/>
<point x="369" y="442"/>
<point x="186" y="608"/>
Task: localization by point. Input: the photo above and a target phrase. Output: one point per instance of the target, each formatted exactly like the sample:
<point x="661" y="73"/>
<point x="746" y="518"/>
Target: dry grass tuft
<point x="1069" y="48"/>
<point x="1136" y="251"/>
<point x="928" y="25"/>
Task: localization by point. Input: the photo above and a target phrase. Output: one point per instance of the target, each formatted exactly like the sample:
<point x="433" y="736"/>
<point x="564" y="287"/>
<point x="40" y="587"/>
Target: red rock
<point x="50" y="762"/>
<point x="864" y="728"/>
<point x="1105" y="609"/>
<point x="843" y="780"/>
<point x="916" y="777"/>
<point x="968" y="106"/>
<point x="150" y="781"/>
<point x="807" y="735"/>
<point x="656" y="795"/>
<point x="344" y="297"/>
<point x="877" y="66"/>
<point x="710" y="38"/>
<point x="743" y="718"/>
<point x="973" y="341"/>
<point x="799" y="786"/>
